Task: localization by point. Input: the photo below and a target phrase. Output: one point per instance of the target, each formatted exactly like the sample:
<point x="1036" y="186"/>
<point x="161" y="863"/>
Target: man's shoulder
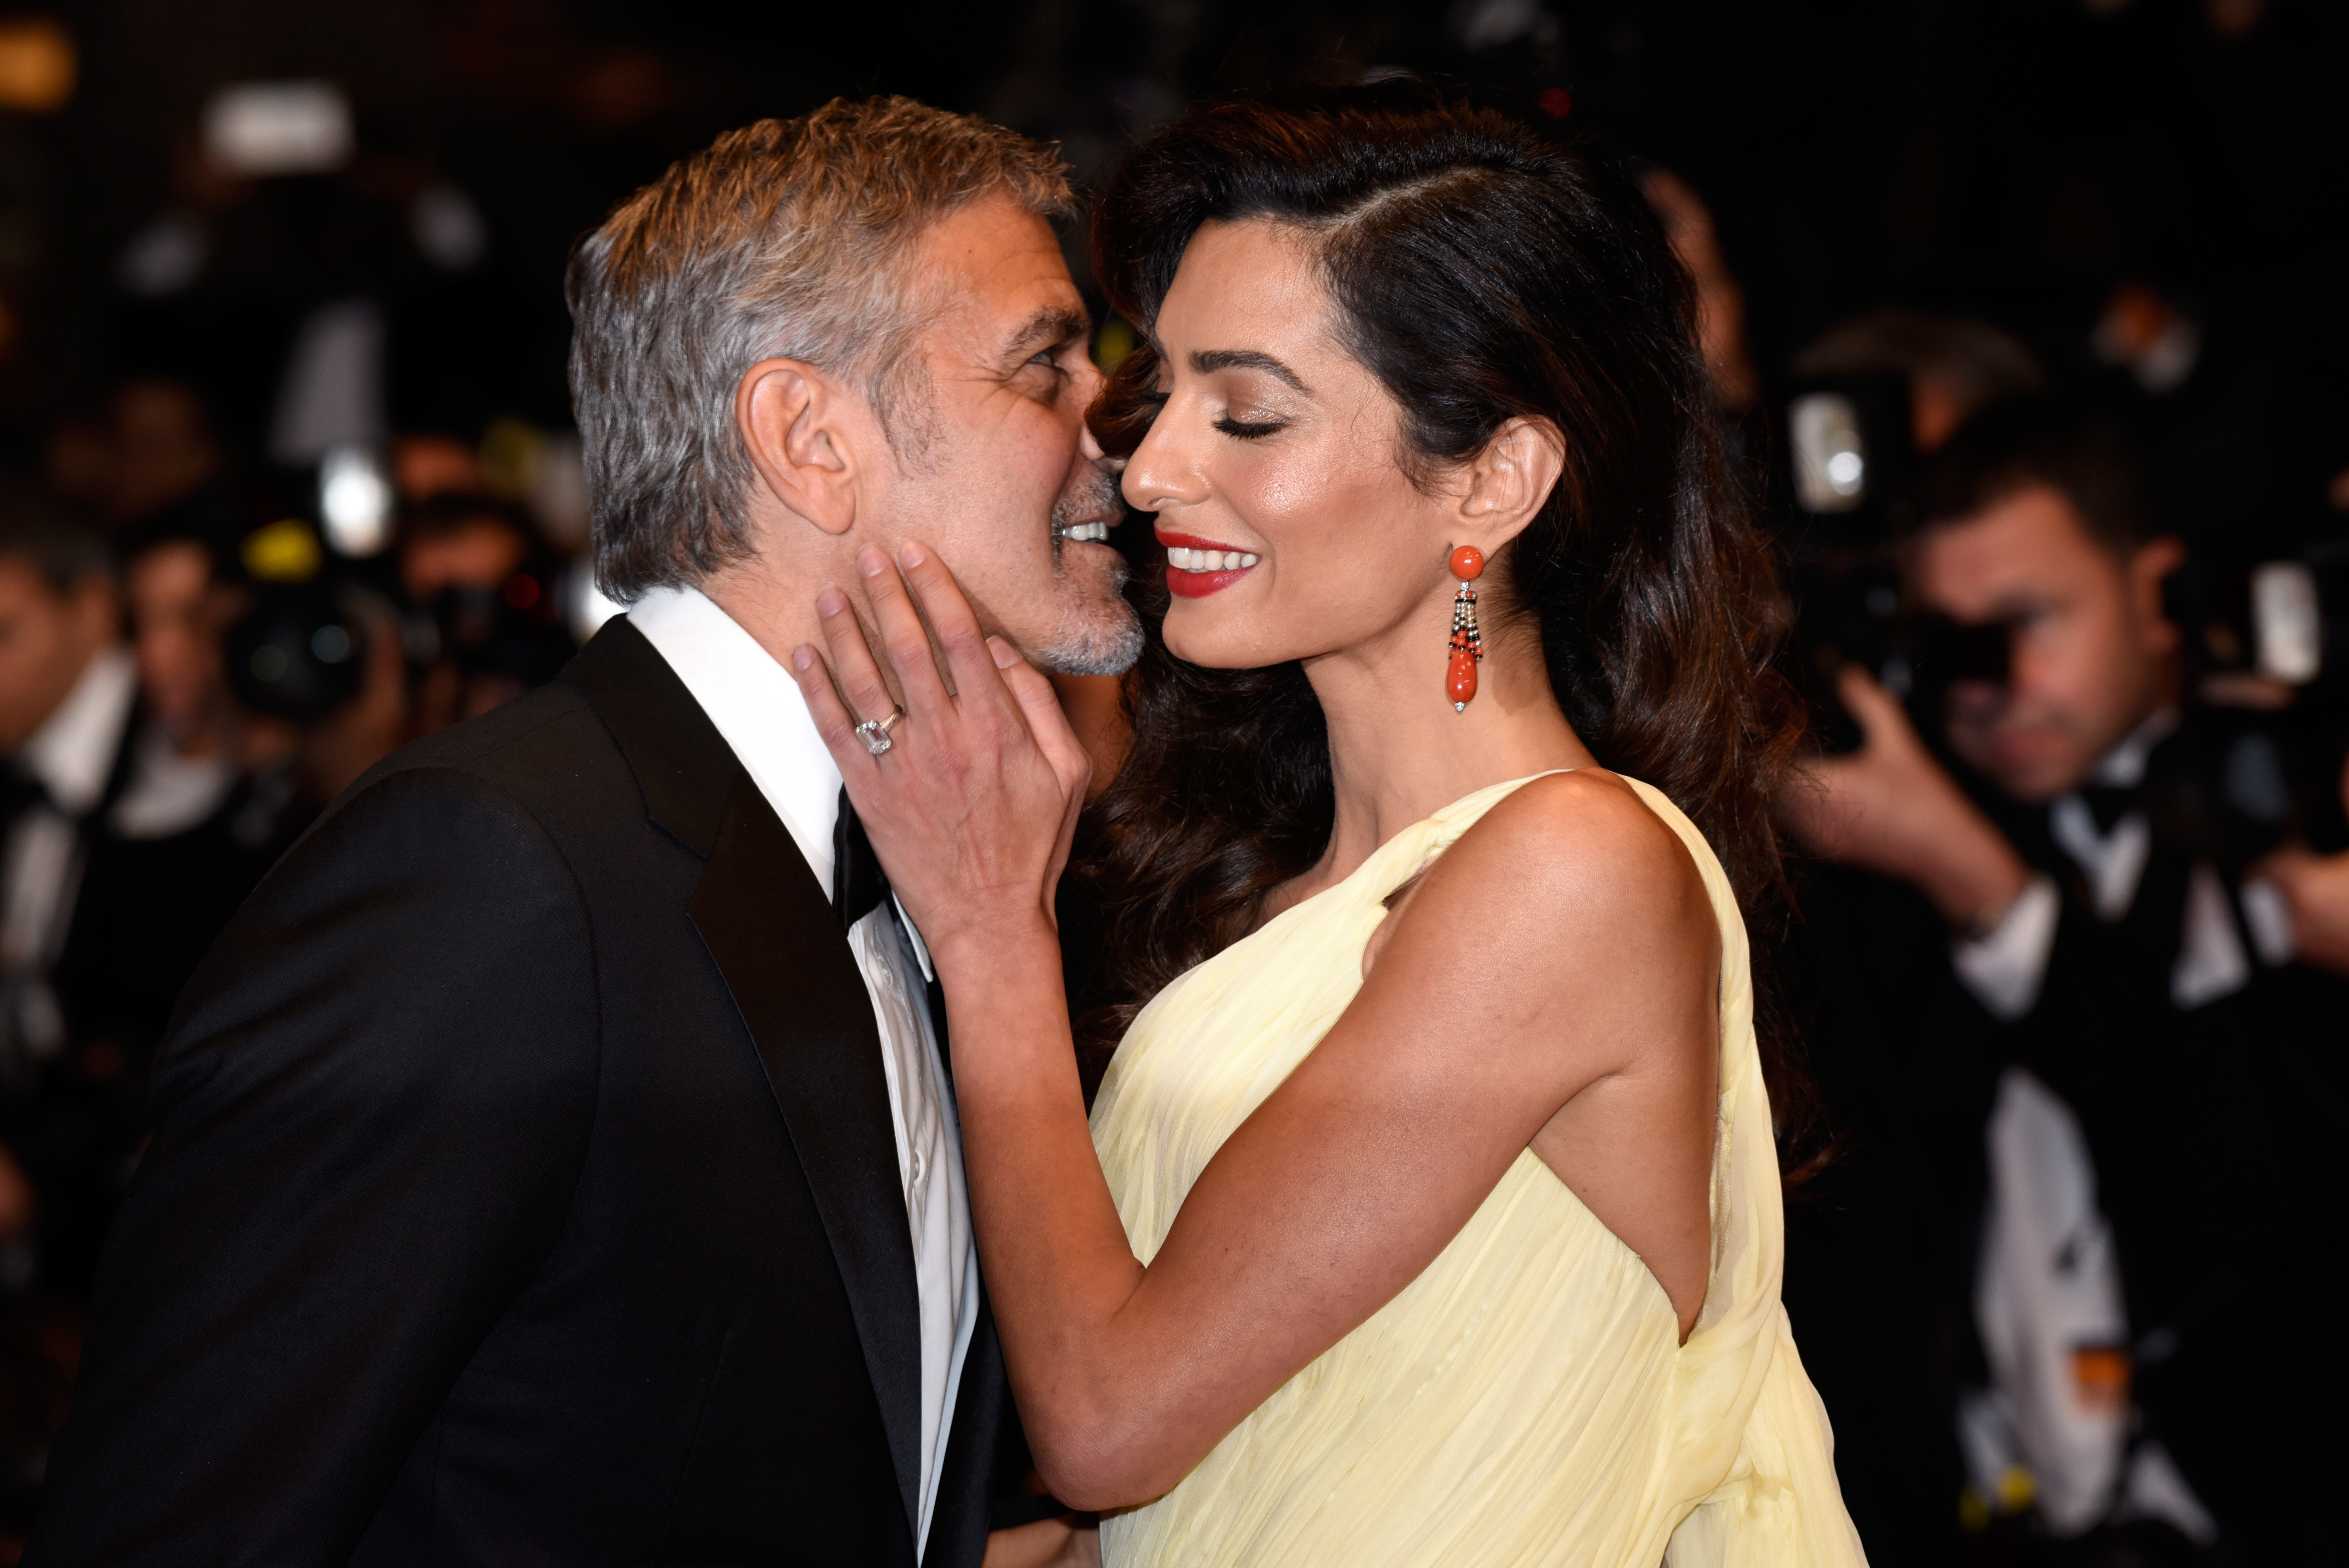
<point x="527" y="740"/>
<point x="548" y="751"/>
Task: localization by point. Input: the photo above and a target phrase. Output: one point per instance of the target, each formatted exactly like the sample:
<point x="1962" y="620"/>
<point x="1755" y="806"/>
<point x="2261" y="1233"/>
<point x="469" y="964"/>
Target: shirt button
<point x="918" y="1164"/>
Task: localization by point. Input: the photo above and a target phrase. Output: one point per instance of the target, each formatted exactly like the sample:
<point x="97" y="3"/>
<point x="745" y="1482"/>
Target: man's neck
<point x="779" y="615"/>
<point x="778" y="609"/>
<point x="2123" y="766"/>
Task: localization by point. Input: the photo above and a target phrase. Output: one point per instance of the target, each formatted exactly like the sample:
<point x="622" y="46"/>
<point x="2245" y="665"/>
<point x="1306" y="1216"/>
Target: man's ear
<point x="2149" y="569"/>
<point x="803" y="433"/>
<point x="1509" y="480"/>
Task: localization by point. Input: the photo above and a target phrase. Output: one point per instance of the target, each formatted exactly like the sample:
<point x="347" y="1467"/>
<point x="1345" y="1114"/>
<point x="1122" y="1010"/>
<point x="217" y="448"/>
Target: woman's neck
<point x="1399" y="753"/>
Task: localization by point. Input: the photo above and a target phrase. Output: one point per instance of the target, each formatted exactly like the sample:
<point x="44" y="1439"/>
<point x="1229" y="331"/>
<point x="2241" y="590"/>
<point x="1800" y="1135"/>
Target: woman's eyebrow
<point x="1207" y="361"/>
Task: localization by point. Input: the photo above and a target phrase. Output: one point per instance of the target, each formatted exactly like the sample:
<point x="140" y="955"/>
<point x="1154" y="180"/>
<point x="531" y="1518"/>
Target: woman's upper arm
<point x="1555" y="942"/>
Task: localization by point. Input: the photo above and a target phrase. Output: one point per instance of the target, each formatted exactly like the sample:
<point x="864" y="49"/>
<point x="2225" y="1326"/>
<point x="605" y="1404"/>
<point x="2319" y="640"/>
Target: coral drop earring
<point x="1467" y="646"/>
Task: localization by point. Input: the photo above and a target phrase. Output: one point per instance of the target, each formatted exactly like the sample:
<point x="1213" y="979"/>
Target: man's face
<point x="46" y="640"/>
<point x="175" y="620"/>
<point x="2091" y="652"/>
<point x="996" y="469"/>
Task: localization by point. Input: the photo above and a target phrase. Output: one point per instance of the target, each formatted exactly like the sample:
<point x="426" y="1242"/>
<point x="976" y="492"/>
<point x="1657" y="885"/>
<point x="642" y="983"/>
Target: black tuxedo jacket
<point x="524" y="1190"/>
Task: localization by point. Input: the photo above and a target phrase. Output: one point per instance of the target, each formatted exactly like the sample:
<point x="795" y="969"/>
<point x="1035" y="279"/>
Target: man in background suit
<point x="556" y="1159"/>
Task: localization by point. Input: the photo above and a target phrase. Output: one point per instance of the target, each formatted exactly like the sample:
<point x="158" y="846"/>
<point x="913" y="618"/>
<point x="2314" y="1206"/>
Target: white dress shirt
<point x="759" y="711"/>
<point x="2005" y="966"/>
<point x="40" y="870"/>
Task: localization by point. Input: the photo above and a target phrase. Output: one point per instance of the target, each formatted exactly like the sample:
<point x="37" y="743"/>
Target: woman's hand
<point x="972" y="806"/>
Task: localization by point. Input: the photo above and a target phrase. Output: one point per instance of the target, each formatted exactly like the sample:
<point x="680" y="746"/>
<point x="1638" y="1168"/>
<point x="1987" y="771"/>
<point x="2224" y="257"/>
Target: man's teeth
<point x="1093" y="531"/>
<point x="1187" y="560"/>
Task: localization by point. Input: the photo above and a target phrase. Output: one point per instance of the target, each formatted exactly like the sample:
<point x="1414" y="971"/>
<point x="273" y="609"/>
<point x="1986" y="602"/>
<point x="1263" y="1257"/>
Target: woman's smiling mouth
<point x="1199" y="567"/>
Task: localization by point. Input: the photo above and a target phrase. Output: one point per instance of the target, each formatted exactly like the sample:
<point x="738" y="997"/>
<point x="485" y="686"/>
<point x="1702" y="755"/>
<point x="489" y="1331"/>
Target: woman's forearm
<point x="1058" y="1263"/>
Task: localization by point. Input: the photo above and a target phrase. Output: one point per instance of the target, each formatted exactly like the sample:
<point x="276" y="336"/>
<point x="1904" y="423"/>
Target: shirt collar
<point x="2123" y="767"/>
<point x="74" y="750"/>
<point x="757" y="709"/>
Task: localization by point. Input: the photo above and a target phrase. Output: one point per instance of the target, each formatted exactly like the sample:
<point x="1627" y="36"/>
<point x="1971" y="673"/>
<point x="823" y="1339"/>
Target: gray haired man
<point x="557" y="1157"/>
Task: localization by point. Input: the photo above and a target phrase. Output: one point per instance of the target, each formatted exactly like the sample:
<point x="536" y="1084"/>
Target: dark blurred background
<point x="2018" y="157"/>
<point x="281" y="344"/>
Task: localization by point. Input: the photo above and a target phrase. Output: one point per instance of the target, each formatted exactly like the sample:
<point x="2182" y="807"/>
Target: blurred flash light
<point x="1830" y="459"/>
<point x="355" y="502"/>
<point x="2287" y="622"/>
<point x="254" y="130"/>
<point x="37" y="64"/>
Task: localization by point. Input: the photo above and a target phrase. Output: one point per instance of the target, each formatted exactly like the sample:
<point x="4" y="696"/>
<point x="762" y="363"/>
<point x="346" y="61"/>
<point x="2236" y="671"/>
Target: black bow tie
<point x="2108" y="803"/>
<point x="858" y="882"/>
<point x="20" y="790"/>
<point x="858" y="886"/>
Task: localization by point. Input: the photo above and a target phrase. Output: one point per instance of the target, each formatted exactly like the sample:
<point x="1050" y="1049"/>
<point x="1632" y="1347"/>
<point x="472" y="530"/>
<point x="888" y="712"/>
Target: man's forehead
<point x="1001" y="279"/>
<point x="2033" y="537"/>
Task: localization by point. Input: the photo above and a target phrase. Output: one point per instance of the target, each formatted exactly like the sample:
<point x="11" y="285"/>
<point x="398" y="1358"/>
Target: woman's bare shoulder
<point x="1570" y="924"/>
<point x="1587" y="833"/>
<point x="1567" y="877"/>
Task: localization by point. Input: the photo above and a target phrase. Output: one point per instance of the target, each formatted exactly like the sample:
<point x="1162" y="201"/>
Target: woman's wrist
<point x="973" y="950"/>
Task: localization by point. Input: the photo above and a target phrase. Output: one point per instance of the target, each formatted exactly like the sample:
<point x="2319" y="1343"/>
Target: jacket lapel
<point x="769" y="928"/>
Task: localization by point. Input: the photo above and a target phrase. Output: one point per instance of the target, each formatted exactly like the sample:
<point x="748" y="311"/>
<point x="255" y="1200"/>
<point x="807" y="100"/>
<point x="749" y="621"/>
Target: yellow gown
<point x="1524" y="1400"/>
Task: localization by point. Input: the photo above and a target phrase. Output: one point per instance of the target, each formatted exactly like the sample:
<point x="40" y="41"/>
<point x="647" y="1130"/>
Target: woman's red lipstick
<point x="1197" y="567"/>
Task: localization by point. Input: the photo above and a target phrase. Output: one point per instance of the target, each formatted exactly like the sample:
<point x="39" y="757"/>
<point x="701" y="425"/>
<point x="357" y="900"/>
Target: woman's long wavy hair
<point x="1484" y="271"/>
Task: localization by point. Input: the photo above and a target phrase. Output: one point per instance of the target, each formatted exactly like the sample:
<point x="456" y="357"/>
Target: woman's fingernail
<point x="1005" y="655"/>
<point x="911" y="554"/>
<point x="802" y="658"/>
<point x="830" y="602"/>
<point x="871" y="561"/>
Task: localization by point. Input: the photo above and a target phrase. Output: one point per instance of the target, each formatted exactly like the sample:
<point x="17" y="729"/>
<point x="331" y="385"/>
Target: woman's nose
<point x="1160" y="474"/>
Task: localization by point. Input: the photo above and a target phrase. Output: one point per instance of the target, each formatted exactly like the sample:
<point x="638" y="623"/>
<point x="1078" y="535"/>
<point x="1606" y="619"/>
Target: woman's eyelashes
<point x="1249" y="429"/>
<point x="1238" y="429"/>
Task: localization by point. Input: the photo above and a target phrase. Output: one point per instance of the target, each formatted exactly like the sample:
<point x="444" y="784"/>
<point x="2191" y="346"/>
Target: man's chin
<point x="2036" y="777"/>
<point x="1104" y="643"/>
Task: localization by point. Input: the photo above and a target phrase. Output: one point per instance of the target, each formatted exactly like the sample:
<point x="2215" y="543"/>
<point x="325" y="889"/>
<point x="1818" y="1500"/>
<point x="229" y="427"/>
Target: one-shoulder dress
<point x="1526" y="1400"/>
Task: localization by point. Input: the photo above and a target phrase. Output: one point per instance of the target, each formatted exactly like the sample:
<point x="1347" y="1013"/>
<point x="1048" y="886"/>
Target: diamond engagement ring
<point x="874" y="732"/>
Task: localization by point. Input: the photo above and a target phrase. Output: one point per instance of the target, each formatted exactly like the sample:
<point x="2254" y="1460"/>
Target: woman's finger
<point x="951" y="620"/>
<point x="833" y="722"/>
<point x="1047" y="721"/>
<point x="860" y="677"/>
<point x="902" y="637"/>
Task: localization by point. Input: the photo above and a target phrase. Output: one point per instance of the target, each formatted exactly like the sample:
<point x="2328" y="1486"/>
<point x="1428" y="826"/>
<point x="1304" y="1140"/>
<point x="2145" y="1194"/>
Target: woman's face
<point x="1271" y="469"/>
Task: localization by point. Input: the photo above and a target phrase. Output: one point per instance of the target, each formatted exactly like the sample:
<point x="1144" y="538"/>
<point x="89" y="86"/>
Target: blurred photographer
<point x="2148" y="1143"/>
<point x="485" y="622"/>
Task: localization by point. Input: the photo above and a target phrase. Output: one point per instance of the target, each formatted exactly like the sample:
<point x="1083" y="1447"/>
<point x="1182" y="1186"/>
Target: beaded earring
<point x="1467" y="645"/>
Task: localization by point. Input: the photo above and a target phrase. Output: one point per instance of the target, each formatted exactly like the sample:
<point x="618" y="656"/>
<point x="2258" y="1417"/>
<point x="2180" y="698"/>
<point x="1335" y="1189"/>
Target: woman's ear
<point x="1510" y="479"/>
<point x="802" y="433"/>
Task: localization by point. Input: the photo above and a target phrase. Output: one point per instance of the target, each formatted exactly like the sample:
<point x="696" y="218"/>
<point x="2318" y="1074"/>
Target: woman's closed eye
<point x="1248" y="429"/>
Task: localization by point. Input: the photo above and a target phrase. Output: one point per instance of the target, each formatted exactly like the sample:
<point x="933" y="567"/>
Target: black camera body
<point x="2258" y="759"/>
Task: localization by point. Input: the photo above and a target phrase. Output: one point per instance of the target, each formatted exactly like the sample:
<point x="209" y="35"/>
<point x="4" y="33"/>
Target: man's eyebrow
<point x="1209" y="361"/>
<point x="1053" y="323"/>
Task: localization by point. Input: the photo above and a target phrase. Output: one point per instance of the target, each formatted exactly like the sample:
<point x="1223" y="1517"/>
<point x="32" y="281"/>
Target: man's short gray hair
<point x="787" y="239"/>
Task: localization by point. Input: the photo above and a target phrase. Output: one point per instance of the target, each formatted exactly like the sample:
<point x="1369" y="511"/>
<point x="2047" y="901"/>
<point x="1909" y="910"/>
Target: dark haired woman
<point x="1436" y="1218"/>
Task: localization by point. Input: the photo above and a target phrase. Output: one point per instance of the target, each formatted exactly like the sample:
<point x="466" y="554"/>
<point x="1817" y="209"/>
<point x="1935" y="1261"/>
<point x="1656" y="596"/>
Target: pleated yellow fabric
<point x="1524" y="1401"/>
